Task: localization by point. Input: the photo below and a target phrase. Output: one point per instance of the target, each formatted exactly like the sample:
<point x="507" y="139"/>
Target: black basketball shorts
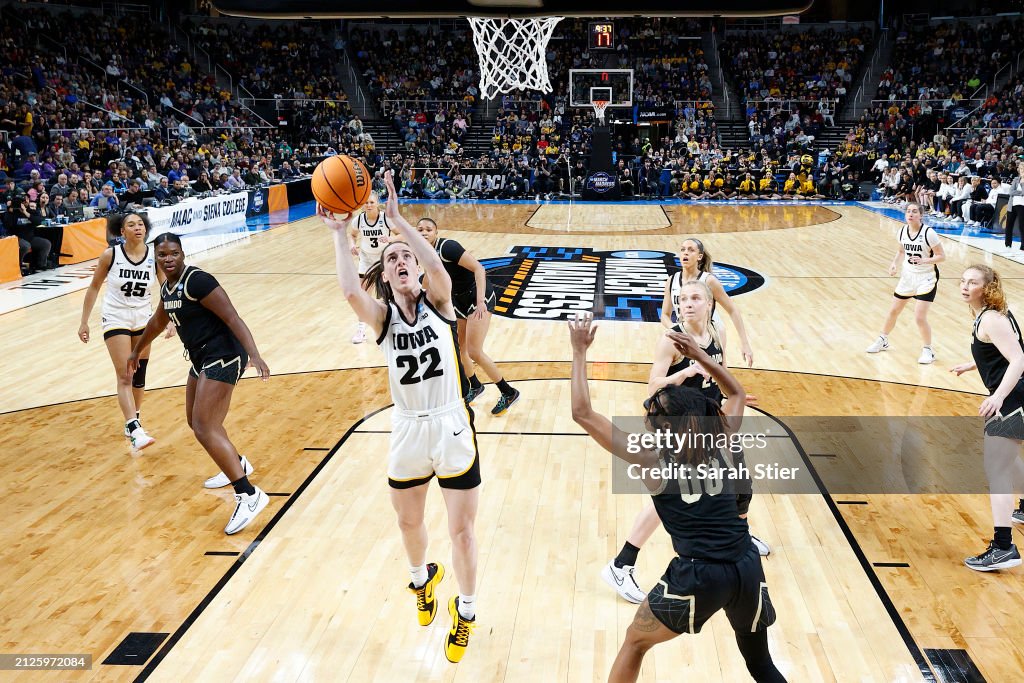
<point x="465" y="302"/>
<point x="691" y="591"/>
<point x="222" y="359"/>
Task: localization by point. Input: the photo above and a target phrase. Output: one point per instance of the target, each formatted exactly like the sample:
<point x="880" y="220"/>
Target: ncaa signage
<point x="601" y="182"/>
<point x="554" y="283"/>
<point x="257" y="201"/>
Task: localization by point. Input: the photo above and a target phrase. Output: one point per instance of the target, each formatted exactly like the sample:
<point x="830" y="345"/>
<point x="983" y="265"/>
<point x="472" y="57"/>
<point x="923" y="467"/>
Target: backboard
<point x="614" y="86"/>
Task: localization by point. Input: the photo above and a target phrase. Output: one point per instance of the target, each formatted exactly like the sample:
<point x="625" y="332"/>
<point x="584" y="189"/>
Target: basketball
<point x="341" y="184"/>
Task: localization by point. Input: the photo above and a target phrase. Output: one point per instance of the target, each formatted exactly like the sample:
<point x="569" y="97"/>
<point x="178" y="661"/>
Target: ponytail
<point x="705" y="263"/>
<point x="374" y="279"/>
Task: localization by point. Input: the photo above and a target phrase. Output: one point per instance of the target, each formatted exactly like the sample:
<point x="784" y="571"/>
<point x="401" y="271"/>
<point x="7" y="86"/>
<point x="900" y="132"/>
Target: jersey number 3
<point x="431" y="358"/>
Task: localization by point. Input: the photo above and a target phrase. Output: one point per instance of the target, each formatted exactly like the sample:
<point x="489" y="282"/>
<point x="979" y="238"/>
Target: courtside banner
<point x="472" y="176"/>
<point x="213" y="213"/>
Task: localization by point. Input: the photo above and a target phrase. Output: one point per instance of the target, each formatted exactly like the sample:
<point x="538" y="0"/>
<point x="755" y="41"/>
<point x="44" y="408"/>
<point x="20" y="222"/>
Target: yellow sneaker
<point x="426" y="604"/>
<point x="458" y="635"/>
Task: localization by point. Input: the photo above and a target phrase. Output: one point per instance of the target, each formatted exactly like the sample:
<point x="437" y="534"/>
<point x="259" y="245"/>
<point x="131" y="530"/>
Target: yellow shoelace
<point x="462" y="631"/>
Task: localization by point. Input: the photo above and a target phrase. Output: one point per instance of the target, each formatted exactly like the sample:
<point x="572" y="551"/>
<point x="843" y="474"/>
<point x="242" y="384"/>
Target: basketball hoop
<point x="599" y="107"/>
<point x="512" y="53"/>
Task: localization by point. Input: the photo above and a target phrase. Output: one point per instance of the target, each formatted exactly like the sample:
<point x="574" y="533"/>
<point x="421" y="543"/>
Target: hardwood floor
<point x="99" y="544"/>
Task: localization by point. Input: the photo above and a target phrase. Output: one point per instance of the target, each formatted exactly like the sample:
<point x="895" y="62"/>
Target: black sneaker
<point x="1018" y="515"/>
<point x="994" y="558"/>
<point x="474" y="392"/>
<point x="505" y="402"/>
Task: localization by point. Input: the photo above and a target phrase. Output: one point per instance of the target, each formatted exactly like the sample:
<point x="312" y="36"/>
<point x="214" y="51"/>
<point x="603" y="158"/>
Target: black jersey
<point x="990" y="361"/>
<point x="197" y="325"/>
<point x="708" y="386"/>
<point x="701" y="514"/>
<point x="450" y="252"/>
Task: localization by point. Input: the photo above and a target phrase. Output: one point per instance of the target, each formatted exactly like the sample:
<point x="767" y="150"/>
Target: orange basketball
<point x="341" y="184"/>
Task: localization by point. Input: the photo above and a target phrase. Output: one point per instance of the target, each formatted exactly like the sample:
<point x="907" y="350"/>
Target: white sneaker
<point x="140" y="439"/>
<point x="881" y="344"/>
<point x="623" y="582"/>
<point x="220" y="479"/>
<point x="927" y="356"/>
<point x="360" y="336"/>
<point x="246" y="509"/>
<point x="763" y="549"/>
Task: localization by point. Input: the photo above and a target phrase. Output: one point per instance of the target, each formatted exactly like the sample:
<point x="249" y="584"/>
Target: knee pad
<point x="139" y="378"/>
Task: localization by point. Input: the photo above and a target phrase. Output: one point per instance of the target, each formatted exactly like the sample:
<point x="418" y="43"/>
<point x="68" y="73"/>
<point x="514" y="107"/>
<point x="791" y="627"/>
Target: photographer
<point x="19" y="222"/>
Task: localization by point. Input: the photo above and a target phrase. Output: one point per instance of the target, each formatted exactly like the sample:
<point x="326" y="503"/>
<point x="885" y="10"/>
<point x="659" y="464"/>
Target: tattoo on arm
<point x="645" y="620"/>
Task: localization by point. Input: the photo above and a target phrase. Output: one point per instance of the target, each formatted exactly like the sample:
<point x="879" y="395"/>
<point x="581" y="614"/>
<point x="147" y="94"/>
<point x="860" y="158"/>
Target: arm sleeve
<point x="199" y="285"/>
<point x="451" y="251"/>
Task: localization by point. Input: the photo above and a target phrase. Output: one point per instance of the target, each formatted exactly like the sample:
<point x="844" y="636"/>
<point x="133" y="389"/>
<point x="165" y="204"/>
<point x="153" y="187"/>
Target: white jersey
<point x="677" y="286"/>
<point x="920" y="245"/>
<point x="372" y="236"/>
<point x="130" y="284"/>
<point x="423" y="359"/>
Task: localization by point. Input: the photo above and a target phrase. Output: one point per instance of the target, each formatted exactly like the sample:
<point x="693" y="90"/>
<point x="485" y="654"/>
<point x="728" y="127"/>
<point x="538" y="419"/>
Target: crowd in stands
<point x="435" y="66"/>
<point x="143" y="122"/>
<point x="792" y="83"/>
<point x="941" y="76"/>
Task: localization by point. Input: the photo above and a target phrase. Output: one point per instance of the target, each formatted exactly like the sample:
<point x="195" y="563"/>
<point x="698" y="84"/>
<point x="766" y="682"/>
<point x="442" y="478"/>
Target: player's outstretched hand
<point x="261" y="367"/>
<point x="582" y="331"/>
<point x="170" y="331"/>
<point x="962" y="368"/>
<point x="686" y="345"/>
<point x="334" y="222"/>
<point x="391" y="205"/>
<point x="748" y="355"/>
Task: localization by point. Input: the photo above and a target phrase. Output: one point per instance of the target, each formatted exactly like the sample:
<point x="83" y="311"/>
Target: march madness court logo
<point x="553" y="283"/>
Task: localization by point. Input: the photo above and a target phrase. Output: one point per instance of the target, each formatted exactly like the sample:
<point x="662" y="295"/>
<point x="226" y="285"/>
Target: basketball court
<point x="100" y="544"/>
<point x="123" y="557"/>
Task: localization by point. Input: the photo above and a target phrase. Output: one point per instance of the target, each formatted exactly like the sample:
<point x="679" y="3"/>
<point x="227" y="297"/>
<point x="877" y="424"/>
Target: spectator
<point x="62" y="187"/>
<point x="203" y="183"/>
<point x="163" y="191"/>
<point x="105" y="200"/>
<point x="18" y="222"/>
<point x="134" y="195"/>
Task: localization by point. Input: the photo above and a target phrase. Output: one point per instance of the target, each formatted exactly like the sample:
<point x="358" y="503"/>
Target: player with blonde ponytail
<point x="694" y="302"/>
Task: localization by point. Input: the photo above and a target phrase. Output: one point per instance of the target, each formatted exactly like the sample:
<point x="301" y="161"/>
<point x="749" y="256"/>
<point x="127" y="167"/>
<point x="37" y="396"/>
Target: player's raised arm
<point x="736" y="396"/>
<point x="367" y="309"/>
<point x="430" y="262"/>
<point x="598" y="426"/>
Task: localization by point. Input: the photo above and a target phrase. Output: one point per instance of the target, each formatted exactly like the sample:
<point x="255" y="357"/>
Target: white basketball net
<point x="512" y="53"/>
<point x="599" y="107"/>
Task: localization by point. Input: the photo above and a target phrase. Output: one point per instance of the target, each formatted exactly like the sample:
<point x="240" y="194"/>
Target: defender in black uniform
<point x="716" y="566"/>
<point x="220" y="347"/>
<point x="999" y="357"/>
<point x="695" y="306"/>
<point x="473" y="298"/>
